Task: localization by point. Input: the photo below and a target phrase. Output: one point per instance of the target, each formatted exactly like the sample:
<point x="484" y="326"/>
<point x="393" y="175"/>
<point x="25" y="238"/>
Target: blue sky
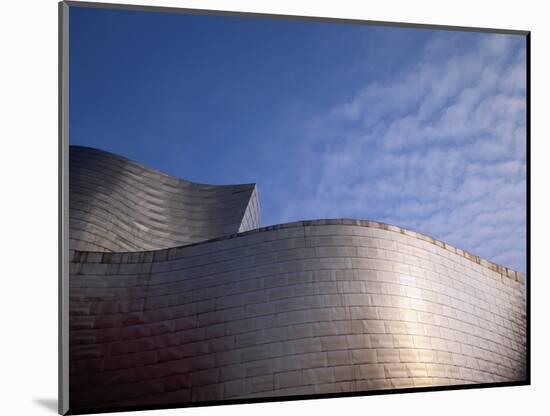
<point x="419" y="128"/>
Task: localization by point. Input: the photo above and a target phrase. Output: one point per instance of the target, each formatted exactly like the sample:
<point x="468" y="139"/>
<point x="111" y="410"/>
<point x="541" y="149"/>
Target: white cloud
<point x="439" y="149"/>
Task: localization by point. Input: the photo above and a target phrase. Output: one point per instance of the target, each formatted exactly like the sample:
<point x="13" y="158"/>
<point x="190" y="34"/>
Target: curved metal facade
<point x="119" y="205"/>
<point x="310" y="307"/>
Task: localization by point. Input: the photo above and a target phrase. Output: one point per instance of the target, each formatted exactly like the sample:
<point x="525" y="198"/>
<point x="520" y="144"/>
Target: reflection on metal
<point x="120" y="205"/>
<point x="309" y="307"/>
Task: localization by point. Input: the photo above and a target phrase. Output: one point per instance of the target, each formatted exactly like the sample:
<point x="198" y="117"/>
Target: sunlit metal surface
<point x="308" y="307"/>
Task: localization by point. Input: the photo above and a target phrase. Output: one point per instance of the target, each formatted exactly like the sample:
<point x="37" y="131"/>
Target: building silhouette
<point x="177" y="296"/>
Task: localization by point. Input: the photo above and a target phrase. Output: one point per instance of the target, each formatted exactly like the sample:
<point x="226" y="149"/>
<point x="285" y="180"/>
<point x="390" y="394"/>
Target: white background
<point x="28" y="154"/>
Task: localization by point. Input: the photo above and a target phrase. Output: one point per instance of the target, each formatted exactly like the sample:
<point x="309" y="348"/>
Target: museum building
<point x="177" y="295"/>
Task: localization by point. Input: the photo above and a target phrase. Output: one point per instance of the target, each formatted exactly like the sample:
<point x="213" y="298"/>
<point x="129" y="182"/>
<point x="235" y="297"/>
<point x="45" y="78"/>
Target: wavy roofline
<point x="157" y="171"/>
<point x="502" y="270"/>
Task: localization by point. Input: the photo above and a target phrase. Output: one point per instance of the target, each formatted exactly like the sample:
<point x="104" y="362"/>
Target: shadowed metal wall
<point x="300" y="308"/>
<point x="119" y="205"/>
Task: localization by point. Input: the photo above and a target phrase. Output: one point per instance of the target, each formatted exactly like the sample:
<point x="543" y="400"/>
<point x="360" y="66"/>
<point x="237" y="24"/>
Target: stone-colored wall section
<point x="116" y="205"/>
<point x="309" y="307"/>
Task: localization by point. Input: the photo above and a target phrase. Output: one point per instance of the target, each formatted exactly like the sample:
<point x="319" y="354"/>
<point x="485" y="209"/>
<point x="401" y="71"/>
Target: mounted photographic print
<point x="263" y="208"/>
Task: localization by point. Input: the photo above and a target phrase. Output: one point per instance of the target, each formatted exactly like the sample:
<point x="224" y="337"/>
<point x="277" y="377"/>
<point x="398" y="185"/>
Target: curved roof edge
<point x="118" y="205"/>
<point x="157" y="171"/>
<point x="502" y="270"/>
